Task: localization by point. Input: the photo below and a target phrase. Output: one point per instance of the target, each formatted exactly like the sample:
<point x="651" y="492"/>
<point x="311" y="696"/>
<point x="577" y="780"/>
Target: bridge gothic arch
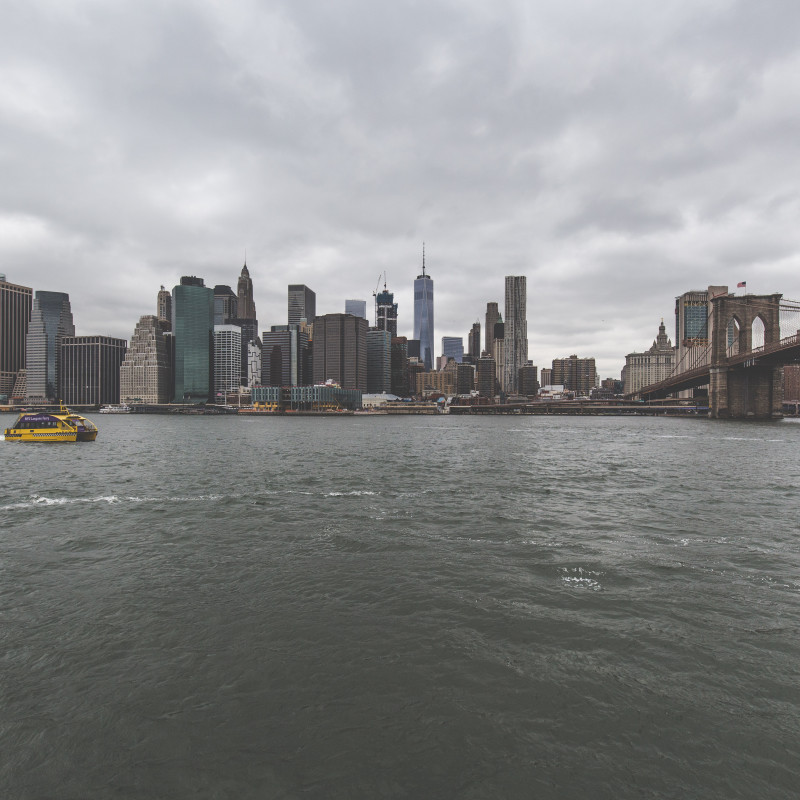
<point x="745" y="311"/>
<point x="758" y="333"/>
<point x="736" y="388"/>
<point x="733" y="336"/>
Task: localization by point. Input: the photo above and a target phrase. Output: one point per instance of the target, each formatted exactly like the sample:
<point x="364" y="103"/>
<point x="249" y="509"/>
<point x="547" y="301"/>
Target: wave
<point x="40" y="501"/>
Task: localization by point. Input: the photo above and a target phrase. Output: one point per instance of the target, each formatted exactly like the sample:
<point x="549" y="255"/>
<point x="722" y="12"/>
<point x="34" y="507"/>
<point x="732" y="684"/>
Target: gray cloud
<point x="617" y="155"/>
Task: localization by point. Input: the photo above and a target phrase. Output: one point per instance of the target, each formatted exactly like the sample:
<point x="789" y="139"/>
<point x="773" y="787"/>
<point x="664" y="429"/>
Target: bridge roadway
<point x="782" y="352"/>
<point x="583" y="408"/>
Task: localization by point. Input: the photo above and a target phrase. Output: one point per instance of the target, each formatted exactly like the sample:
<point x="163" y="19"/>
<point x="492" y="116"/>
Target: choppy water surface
<point x="390" y="607"/>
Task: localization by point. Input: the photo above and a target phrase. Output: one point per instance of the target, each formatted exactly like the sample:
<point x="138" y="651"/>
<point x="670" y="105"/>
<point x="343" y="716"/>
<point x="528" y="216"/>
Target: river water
<point x="431" y="607"/>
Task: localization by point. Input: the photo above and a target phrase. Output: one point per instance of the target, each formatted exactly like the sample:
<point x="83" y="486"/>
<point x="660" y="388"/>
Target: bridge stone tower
<point x="740" y="387"/>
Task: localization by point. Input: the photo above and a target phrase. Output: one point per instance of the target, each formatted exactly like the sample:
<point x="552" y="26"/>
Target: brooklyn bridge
<point x="750" y="338"/>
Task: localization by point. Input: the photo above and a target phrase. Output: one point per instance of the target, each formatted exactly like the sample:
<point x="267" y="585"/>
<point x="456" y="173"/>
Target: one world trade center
<point x="423" y="315"/>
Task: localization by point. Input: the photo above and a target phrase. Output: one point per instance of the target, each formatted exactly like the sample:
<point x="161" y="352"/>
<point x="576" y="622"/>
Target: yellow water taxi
<point x="61" y="426"/>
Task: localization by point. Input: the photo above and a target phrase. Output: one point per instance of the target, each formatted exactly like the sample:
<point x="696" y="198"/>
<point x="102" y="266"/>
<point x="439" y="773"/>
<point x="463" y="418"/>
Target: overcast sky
<point x="617" y="153"/>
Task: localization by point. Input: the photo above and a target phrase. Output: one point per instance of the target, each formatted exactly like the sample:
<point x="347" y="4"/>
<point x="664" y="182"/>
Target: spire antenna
<point x="423" y="258"/>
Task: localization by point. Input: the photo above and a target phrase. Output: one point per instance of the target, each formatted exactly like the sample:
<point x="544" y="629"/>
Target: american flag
<point x="741" y="285"/>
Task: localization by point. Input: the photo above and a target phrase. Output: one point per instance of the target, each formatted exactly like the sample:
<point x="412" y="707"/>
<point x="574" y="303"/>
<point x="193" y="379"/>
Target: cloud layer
<point x="617" y="154"/>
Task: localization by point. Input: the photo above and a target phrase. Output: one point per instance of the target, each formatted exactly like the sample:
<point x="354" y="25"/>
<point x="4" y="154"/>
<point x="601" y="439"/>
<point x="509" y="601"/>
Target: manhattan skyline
<point x="616" y="157"/>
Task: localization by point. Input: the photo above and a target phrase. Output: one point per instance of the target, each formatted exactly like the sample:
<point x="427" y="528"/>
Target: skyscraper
<point x="516" y="331"/>
<point x="340" y="350"/>
<point x="499" y="351"/>
<point x="284" y="356"/>
<point x="474" y="342"/>
<point x="492" y="317"/>
<point x="693" y="327"/>
<point x="145" y="375"/>
<point x="386" y="311"/>
<point x="486" y="375"/>
<point x="399" y="366"/>
<point x="302" y="304"/>
<point x="164" y="306"/>
<point x="193" y="311"/>
<point x="227" y="360"/>
<point x="358" y="308"/>
<point x="244" y="291"/>
<point x="15" y="314"/>
<point x="51" y="321"/>
<point x="226" y="305"/>
<point x="89" y="369"/>
<point x="423" y="315"/>
<point x="453" y="347"/>
<point x="379" y="360"/>
<point x="245" y="318"/>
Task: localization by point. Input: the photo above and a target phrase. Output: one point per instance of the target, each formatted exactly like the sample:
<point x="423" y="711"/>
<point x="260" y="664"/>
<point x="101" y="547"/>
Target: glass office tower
<point x="193" y="328"/>
<point x="51" y="321"/>
<point x="423" y="316"/>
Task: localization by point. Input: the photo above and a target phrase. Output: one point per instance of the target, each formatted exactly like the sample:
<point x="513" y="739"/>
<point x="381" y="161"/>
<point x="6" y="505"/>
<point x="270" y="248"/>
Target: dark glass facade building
<point x="15" y="314"/>
<point x="302" y="304"/>
<point x="284" y="356"/>
<point x="453" y="347"/>
<point x="379" y="361"/>
<point x="51" y="321"/>
<point x="89" y="369"/>
<point x="399" y="366"/>
<point x="193" y="329"/>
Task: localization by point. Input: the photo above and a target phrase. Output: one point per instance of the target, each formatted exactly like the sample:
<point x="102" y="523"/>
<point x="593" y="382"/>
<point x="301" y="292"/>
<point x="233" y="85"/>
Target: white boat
<point x="116" y="409"/>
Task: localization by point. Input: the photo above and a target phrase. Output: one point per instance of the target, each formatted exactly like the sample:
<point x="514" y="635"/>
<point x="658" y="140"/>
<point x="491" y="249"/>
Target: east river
<point x="431" y="607"/>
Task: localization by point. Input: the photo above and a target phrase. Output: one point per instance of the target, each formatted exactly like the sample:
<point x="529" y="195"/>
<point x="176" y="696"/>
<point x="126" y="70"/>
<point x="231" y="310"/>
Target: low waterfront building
<point x="578" y="375"/>
<point x="528" y="381"/>
<point x="326" y="397"/>
<point x="436" y="382"/>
